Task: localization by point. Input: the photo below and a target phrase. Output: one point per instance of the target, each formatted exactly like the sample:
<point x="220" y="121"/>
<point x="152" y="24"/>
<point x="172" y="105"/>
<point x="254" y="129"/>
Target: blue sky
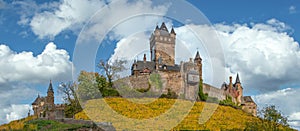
<point x="246" y="29"/>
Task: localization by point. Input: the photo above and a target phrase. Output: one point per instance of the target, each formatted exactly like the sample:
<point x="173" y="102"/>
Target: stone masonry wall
<point x="214" y="92"/>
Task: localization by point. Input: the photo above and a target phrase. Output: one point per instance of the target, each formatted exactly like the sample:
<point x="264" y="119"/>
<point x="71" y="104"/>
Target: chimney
<point x="230" y="79"/>
<point x="145" y="58"/>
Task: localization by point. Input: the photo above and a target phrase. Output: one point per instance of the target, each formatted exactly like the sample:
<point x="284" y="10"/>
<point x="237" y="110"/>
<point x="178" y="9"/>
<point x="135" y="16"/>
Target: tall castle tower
<point x="198" y="62"/>
<point x="50" y="96"/>
<point x="162" y="46"/>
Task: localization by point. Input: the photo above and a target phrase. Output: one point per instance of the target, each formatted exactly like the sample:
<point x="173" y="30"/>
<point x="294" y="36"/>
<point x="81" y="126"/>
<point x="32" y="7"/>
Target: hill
<point x="151" y="114"/>
<point x="33" y="124"/>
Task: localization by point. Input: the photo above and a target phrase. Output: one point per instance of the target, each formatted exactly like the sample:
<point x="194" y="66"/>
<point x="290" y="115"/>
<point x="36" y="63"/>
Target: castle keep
<point x="183" y="78"/>
<point x="44" y="107"/>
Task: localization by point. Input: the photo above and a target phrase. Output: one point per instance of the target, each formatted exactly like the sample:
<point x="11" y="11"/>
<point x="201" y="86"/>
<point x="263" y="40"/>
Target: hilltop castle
<point x="183" y="79"/>
<point x="44" y="107"/>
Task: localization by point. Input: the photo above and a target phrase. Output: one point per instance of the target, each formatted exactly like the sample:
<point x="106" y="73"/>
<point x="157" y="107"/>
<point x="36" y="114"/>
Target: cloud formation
<point x="19" y="71"/>
<point x="286" y="100"/>
<point x="52" y="63"/>
<point x="72" y="15"/>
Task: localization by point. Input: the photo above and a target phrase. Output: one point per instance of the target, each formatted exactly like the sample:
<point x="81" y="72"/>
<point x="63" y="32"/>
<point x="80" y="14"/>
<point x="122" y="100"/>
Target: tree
<point x="111" y="69"/>
<point x="271" y="114"/>
<point x="270" y="120"/>
<point x="70" y="97"/>
<point x="87" y="85"/>
<point x="202" y="96"/>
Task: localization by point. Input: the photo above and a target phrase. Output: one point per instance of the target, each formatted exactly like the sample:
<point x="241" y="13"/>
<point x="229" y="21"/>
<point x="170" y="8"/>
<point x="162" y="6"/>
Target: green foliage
<point x="271" y="119"/>
<point x="49" y="125"/>
<point x="87" y="87"/>
<point x="170" y="95"/>
<point x="202" y="96"/>
<point x="155" y="79"/>
<point x="72" y="105"/>
<point x="228" y="102"/>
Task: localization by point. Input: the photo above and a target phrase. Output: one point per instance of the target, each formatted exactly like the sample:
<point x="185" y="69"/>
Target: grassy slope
<point x="31" y="123"/>
<point x="224" y="117"/>
<point x="128" y="115"/>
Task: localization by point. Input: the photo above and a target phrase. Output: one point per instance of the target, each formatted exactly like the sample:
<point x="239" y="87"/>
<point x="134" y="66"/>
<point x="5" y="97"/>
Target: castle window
<point x="169" y="39"/>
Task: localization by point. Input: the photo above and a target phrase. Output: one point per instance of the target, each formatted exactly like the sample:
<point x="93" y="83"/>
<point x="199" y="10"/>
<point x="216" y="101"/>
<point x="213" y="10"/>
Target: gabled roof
<point x="248" y="99"/>
<point x="141" y="65"/>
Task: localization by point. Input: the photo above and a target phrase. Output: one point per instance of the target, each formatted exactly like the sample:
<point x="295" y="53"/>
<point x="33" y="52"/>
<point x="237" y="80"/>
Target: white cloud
<point x="72" y="15"/>
<point x="10" y="107"/>
<point x="285" y="100"/>
<point x="69" y="15"/>
<point x="14" y="112"/>
<point x="52" y="63"/>
<point x="292" y="9"/>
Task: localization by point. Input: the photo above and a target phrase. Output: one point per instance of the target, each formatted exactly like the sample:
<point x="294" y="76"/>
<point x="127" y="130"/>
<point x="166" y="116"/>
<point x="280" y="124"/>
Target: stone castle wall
<point x="214" y="92"/>
<point x="139" y="82"/>
<point x="171" y="80"/>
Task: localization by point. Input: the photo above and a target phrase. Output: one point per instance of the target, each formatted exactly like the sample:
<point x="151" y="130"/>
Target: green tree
<point x="271" y="114"/>
<point x="87" y="85"/>
<point x="202" y="96"/>
<point x="270" y="120"/>
<point x="70" y="97"/>
<point x="111" y="69"/>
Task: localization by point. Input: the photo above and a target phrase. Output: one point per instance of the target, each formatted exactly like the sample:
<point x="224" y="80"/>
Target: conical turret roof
<point x="237" y="79"/>
<point x="50" y="88"/>
<point x="197" y="57"/>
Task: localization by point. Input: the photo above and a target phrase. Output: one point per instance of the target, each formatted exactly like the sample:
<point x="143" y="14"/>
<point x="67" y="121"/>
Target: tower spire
<point x="50" y="88"/>
<point x="172" y="31"/>
<point x="237" y="79"/>
<point x="197" y="57"/>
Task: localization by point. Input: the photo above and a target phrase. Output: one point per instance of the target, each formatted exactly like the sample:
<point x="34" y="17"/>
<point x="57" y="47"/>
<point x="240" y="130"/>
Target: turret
<point x="162" y="45"/>
<point x="239" y="88"/>
<point x="230" y="84"/>
<point x="198" y="61"/>
<point x="50" y="95"/>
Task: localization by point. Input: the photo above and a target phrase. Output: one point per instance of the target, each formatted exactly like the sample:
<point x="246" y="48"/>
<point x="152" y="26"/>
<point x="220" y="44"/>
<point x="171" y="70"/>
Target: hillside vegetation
<point x="33" y="124"/>
<point x="148" y="113"/>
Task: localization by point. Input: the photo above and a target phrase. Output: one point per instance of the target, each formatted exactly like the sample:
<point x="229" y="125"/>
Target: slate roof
<point x="237" y="78"/>
<point x="50" y="88"/>
<point x="248" y="99"/>
<point x="170" y="68"/>
<point x="147" y="64"/>
<point x="197" y="56"/>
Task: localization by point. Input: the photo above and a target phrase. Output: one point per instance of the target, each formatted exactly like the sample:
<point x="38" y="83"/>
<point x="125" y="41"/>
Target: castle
<point x="44" y="107"/>
<point x="183" y="79"/>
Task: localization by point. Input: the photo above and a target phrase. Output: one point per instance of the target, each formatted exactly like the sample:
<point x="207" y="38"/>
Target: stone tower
<point x="198" y="62"/>
<point x="239" y="89"/>
<point x="162" y="46"/>
<point x="50" y="96"/>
